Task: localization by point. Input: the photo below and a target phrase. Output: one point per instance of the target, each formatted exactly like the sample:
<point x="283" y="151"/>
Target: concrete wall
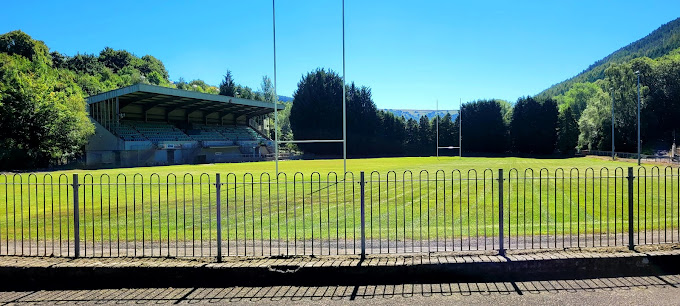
<point x="103" y="139"/>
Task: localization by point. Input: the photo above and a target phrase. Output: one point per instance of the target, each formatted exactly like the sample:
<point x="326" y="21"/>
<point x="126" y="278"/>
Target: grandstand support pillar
<point x="117" y="112"/>
<point x="108" y="113"/>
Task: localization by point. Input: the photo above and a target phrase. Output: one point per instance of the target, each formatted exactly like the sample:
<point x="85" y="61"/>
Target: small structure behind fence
<point x="216" y="215"/>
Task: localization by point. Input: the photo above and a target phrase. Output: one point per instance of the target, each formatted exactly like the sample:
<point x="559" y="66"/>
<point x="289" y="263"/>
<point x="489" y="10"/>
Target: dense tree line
<point x="42" y="108"/>
<point x="316" y="113"/>
<point x="660" y="105"/>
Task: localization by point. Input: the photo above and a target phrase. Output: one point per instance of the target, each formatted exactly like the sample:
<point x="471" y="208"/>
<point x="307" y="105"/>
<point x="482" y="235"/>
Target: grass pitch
<point x="405" y="198"/>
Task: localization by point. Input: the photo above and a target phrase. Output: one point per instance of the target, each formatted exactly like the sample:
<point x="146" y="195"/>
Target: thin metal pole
<point x="276" y="98"/>
<point x="436" y="113"/>
<point x="631" y="242"/>
<point x="76" y="218"/>
<point x="362" y="183"/>
<point x="460" y="128"/>
<point x="218" y="199"/>
<point x="344" y="104"/>
<point x="638" y="115"/>
<point x="613" y="148"/>
<point x="501" y="247"/>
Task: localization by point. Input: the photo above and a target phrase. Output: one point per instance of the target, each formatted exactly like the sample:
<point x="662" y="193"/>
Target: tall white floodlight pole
<point x="613" y="148"/>
<point x="638" y="114"/>
<point x="436" y="113"/>
<point x="460" y="127"/>
<point x="344" y="104"/>
<point x="276" y="97"/>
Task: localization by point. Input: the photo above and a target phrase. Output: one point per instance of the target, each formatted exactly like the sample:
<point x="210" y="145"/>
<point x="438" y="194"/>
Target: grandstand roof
<point x="149" y="96"/>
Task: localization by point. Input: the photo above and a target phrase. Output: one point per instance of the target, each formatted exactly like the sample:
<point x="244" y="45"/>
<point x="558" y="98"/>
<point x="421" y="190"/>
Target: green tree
<point x="317" y="111"/>
<point x="533" y="128"/>
<point x="567" y="131"/>
<point x="412" y="139"/>
<point x="228" y="86"/>
<point x="116" y="59"/>
<point x="484" y="127"/>
<point x="577" y="98"/>
<point x="267" y="90"/>
<point x="19" y="43"/>
<point x="448" y="134"/>
<point x="595" y="122"/>
<point x="149" y="64"/>
<point x="425" y="137"/>
<point x="49" y="124"/>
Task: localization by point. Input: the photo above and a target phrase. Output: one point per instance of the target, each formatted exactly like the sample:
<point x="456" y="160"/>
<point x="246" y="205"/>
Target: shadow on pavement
<point x="375" y="293"/>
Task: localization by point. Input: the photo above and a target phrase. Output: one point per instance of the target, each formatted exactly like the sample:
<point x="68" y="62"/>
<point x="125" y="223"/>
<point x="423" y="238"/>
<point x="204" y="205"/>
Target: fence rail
<point x="216" y="215"/>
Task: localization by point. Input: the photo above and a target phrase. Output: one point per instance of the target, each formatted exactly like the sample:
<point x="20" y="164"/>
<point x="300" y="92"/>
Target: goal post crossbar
<point x="313" y="141"/>
<point x="277" y="142"/>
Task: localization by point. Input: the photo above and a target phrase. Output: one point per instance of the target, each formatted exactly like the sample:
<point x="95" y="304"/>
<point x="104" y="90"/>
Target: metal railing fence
<point x="217" y="215"/>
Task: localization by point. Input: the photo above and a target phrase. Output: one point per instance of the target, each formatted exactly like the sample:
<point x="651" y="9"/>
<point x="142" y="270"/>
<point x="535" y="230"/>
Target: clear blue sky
<point x="409" y="52"/>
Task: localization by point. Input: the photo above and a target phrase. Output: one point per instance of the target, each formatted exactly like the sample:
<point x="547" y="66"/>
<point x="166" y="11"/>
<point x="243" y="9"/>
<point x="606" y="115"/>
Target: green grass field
<point x="398" y="164"/>
<point x="152" y="203"/>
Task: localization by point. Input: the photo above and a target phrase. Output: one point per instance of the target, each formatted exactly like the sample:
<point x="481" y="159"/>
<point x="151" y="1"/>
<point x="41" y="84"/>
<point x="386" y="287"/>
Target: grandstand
<point x="143" y="125"/>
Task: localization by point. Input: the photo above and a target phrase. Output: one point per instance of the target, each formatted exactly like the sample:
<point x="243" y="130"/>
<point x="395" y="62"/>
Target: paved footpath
<point x="32" y="273"/>
<point x="640" y="290"/>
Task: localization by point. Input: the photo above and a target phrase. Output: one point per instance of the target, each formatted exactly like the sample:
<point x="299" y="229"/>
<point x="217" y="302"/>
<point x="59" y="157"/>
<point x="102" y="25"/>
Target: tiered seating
<point x="237" y="132"/>
<point x="207" y="133"/>
<point x="159" y="131"/>
<point x="128" y="133"/>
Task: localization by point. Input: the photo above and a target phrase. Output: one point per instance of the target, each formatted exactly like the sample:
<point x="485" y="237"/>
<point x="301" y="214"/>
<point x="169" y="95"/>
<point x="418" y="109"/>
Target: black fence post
<point x="362" y="183"/>
<point x="76" y="218"/>
<point x="218" y="212"/>
<point x="631" y="177"/>
<point x="501" y="247"/>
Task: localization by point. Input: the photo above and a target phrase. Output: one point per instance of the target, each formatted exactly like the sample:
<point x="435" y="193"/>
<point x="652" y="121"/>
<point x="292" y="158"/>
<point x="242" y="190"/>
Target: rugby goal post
<point x="344" y="102"/>
<point x="460" y="130"/>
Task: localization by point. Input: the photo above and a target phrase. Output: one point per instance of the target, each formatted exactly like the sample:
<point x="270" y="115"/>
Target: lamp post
<point x="613" y="150"/>
<point x="638" y="115"/>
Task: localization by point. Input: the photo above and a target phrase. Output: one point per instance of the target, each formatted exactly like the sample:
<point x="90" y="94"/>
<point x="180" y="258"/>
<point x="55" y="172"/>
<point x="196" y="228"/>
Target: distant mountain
<point x="417" y="113"/>
<point x="285" y="99"/>
<point x="658" y="43"/>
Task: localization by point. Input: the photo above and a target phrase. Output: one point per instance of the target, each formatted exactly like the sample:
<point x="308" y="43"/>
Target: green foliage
<point x="567" y="131"/>
<point x="267" y="90"/>
<point x="246" y="92"/>
<point x="228" y="86"/>
<point x="595" y="122"/>
<point x="363" y="123"/>
<point x="577" y="97"/>
<point x="317" y="111"/>
<point x="533" y="128"/>
<point x="196" y="85"/>
<point x="19" y="43"/>
<point x="149" y="64"/>
<point x="155" y="78"/>
<point x="49" y="124"/>
<point x="484" y="127"/>
<point x="116" y="59"/>
<point x="391" y="135"/>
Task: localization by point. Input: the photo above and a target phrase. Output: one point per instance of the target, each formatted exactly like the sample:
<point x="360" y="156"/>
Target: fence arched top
<point x="204" y="175"/>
